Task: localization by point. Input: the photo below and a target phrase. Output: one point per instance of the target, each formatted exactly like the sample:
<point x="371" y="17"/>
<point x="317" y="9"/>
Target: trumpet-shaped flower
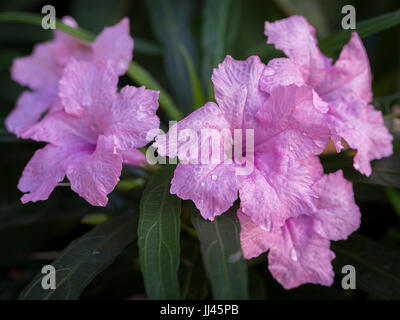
<point x="345" y="87"/>
<point x="97" y="130"/>
<point x="42" y="70"/>
<point x="286" y="126"/>
<point x="299" y="251"/>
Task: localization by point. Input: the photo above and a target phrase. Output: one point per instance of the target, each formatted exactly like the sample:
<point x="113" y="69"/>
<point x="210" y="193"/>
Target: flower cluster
<point x="294" y="106"/>
<point x="284" y="113"/>
<point x="74" y="106"/>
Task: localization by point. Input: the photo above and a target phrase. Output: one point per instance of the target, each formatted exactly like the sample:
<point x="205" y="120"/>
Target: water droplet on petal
<point x="214" y="177"/>
<point x="269" y="71"/>
<point x="96" y="252"/>
<point x="294" y="254"/>
<point x="202" y="184"/>
<point x="291" y="148"/>
<point x="269" y="190"/>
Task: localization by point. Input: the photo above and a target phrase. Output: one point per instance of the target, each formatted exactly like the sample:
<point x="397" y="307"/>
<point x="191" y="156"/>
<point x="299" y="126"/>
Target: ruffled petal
<point x="297" y="254"/>
<point x="115" y="45"/>
<point x="95" y="177"/>
<point x="349" y="76"/>
<point x="213" y="188"/>
<point x="38" y="71"/>
<point x="184" y="139"/>
<point x="236" y="90"/>
<point x="363" y="129"/>
<point x="296" y="38"/>
<point x="61" y="128"/>
<point x="67" y="46"/>
<point x="88" y="89"/>
<point x="131" y="116"/>
<point x="42" y="173"/>
<point x="300" y="255"/>
<point x="280" y="72"/>
<point x="276" y="191"/>
<point x="30" y="107"/>
<point x="338" y="216"/>
<point x="290" y="117"/>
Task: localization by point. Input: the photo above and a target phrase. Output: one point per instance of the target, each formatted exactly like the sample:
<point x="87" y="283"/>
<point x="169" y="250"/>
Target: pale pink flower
<point x="299" y="251"/>
<point x="345" y="87"/>
<point x="42" y="70"/>
<point x="287" y="127"/>
<point x="90" y="138"/>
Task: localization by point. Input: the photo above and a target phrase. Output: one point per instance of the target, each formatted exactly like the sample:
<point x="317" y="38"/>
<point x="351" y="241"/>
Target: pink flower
<point x="287" y="126"/>
<point x="90" y="138"/>
<point x="299" y="251"/>
<point x="344" y="87"/>
<point x="42" y="70"/>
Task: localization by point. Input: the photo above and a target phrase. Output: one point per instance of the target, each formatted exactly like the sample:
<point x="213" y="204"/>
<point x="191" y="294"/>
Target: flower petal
<point x="297" y="254"/>
<point x="134" y="157"/>
<point x="289" y="115"/>
<point x="61" y="128"/>
<point x="276" y="191"/>
<point x="30" y="107"/>
<point x="42" y="173"/>
<point x="236" y="89"/>
<point x="88" y="89"/>
<point x="115" y="45"/>
<point x="95" y="177"/>
<point x="131" y="116"/>
<point x="350" y="75"/>
<point x="296" y="38"/>
<point x="213" y="188"/>
<point x="337" y="216"/>
<point x="363" y="129"/>
<point x="186" y="135"/>
<point x="38" y="71"/>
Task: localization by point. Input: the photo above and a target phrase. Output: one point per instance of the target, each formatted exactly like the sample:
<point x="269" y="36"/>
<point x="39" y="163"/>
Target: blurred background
<point x="32" y="235"/>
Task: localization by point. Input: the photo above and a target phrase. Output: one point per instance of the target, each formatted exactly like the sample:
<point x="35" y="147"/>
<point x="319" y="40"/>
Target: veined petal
<point x="38" y="71"/>
<point x="134" y="157"/>
<point x="290" y="116"/>
<point x="213" y="188"/>
<point x="184" y="139"/>
<point x="337" y="216"/>
<point x="61" y="128"/>
<point x="88" y="90"/>
<point x="45" y="169"/>
<point x="95" y="177"/>
<point x="276" y="191"/>
<point x="115" y="45"/>
<point x="236" y="90"/>
<point x="349" y="76"/>
<point x="30" y="107"/>
<point x="131" y="116"/>
<point x="363" y="129"/>
<point x="296" y="38"/>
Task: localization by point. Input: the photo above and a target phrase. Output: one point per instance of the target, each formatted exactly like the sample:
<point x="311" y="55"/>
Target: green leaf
<point x="385" y="172"/>
<point x="220" y="23"/>
<point x="394" y="198"/>
<point x="364" y="29"/>
<point x="197" y="90"/>
<point x="222" y="254"/>
<point x="158" y="236"/>
<point x="84" y="259"/>
<point x="171" y="23"/>
<point x="135" y="71"/>
<point x="377" y="267"/>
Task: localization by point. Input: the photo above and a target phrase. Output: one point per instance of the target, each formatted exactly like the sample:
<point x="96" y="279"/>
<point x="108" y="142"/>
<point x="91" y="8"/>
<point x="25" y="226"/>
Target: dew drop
<point x="293" y="254"/>
<point x="269" y="190"/>
<point x="214" y="177"/>
<point x="291" y="148"/>
<point x="202" y="184"/>
<point x="269" y="71"/>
